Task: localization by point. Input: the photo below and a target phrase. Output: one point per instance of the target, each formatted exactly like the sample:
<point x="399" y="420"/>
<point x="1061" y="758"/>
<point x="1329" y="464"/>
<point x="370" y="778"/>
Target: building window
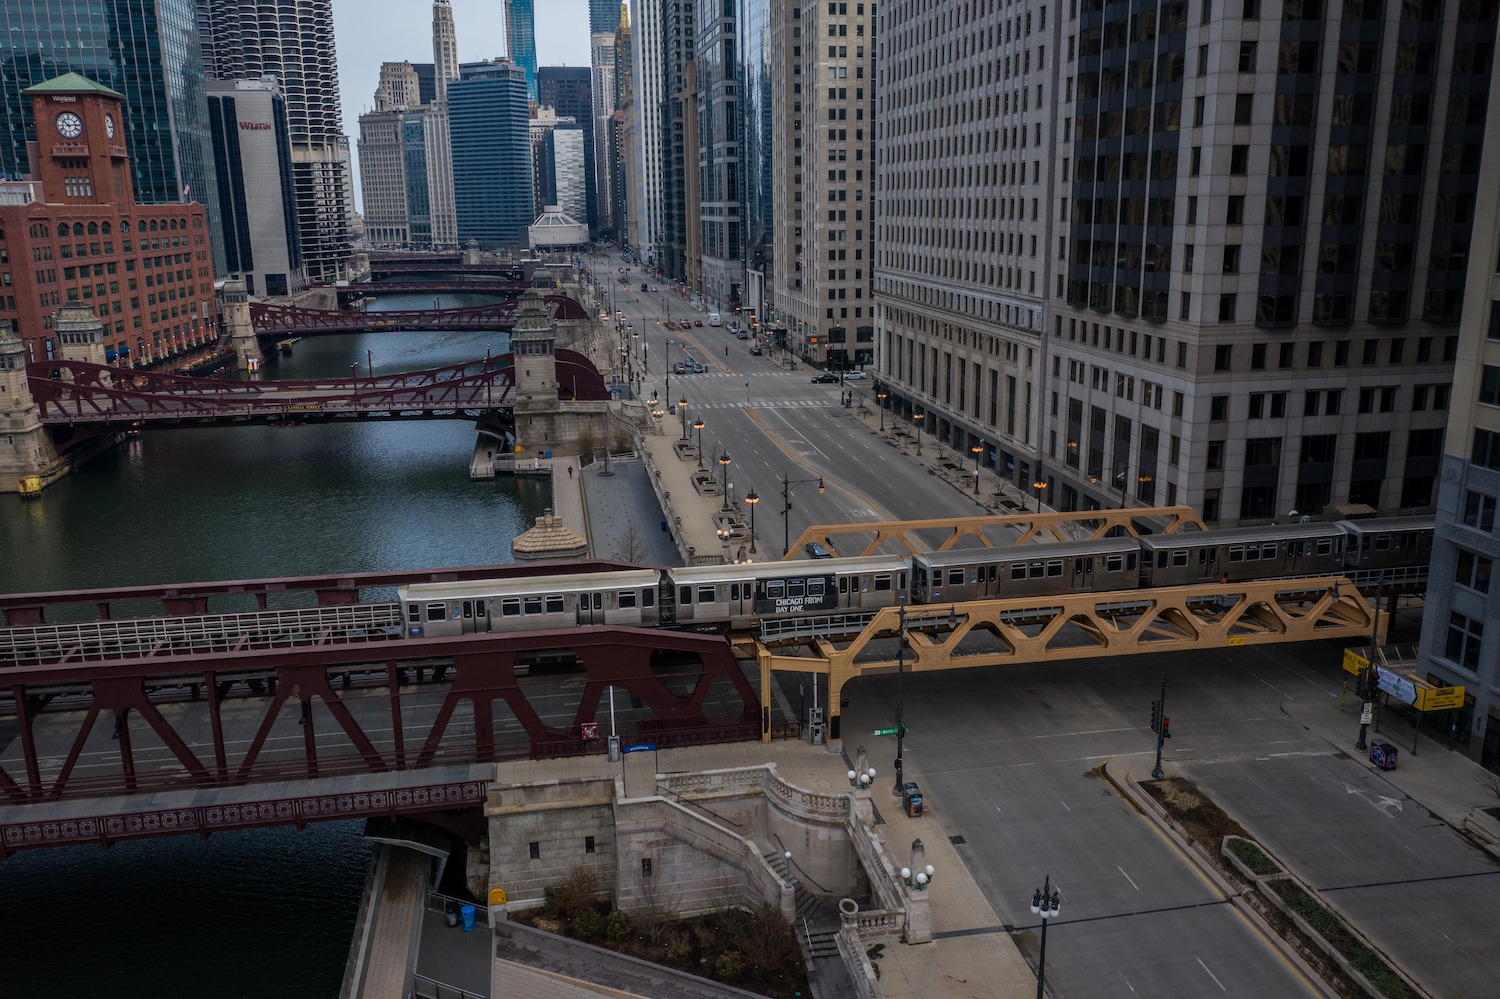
<point x="1479" y="510"/>
<point x="1465" y="635"/>
<point x="1218" y="408"/>
<point x="1224" y="357"/>
<point x="588" y="844"/>
<point x="1473" y="571"/>
<point x="1486" y="450"/>
<point x="536" y="850"/>
<point x="1489" y="385"/>
<point x="645" y="867"/>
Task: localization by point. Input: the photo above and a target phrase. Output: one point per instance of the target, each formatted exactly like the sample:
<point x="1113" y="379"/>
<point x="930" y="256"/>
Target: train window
<point x="1018" y="570"/>
<point x="796" y="587"/>
<point x="815" y="587"/>
<point x="532" y="605"/>
<point x="1054" y="567"/>
<point x="414" y="612"/>
<point x="1382" y="542"/>
<point x="1180" y="557"/>
<point x="479" y="608"/>
<point x="1268" y="551"/>
<point x="1130" y="561"/>
<point x="775" y="589"/>
<point x="882" y="581"/>
<point x="510" y="607"/>
<point x="685" y="597"/>
<point x="706" y="595"/>
<point x="1078" y="567"/>
<point x="648" y="598"/>
<point x="955" y="577"/>
<point x="437" y="612"/>
<point x="555" y="603"/>
<point x="468" y="608"/>
<point x="1037" y="568"/>
<point x="1236" y="553"/>
<point x="1114" y="563"/>
<point x="1202" y="555"/>
<point x="625" y="599"/>
<point x="843" y="584"/>
<point x="992" y="573"/>
<point x="902" y="581"/>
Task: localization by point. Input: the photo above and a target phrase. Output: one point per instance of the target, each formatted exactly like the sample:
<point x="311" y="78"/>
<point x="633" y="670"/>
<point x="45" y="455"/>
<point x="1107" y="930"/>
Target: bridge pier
<point x="247" y="352"/>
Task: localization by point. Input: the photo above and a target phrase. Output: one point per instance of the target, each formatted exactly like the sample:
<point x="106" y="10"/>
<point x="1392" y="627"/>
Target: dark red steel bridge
<point x="444" y="265"/>
<point x="284" y="321"/>
<point x="480" y="285"/>
<point x="197" y="741"/>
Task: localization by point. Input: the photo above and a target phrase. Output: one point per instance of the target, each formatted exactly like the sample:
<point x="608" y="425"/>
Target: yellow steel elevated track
<point x="1058" y="628"/>
<point x="1010" y="529"/>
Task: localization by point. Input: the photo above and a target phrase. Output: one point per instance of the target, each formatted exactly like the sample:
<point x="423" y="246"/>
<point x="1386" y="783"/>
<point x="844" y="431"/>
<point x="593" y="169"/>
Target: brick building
<point x="73" y="234"/>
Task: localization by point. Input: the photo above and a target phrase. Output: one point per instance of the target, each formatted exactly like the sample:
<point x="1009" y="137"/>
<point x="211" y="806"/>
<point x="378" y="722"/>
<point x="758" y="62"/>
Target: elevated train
<point x="734" y="597"/>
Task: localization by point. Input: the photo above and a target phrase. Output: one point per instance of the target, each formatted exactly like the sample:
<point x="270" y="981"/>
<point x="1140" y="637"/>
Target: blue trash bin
<point x="549" y="453"/>
<point x="664" y="525"/>
<point x="468" y="916"/>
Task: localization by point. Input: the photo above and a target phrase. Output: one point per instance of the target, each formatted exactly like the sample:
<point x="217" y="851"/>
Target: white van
<point x="714" y="320"/>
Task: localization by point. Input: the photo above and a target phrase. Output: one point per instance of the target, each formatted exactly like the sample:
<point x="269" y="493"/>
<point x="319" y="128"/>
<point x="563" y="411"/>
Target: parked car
<point x="755" y="351"/>
<point x="854" y="375"/>
<point x="817" y="550"/>
<point x="743" y="334"/>
<point x="825" y="379"/>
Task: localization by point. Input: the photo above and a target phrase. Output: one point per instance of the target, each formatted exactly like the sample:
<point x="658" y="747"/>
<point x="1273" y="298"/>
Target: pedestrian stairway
<point x="816" y="925"/>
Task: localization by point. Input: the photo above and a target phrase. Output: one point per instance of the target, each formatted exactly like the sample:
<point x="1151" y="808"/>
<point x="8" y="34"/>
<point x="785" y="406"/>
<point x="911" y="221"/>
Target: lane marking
<point x="1128" y="877"/>
<point x="1212" y="975"/>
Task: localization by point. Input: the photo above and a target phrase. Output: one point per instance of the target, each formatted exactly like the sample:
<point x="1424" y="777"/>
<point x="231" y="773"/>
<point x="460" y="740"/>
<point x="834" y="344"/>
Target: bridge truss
<point x="77" y="393"/>
<point x="1058" y="629"/>
<point x="1009" y="529"/>
<point x="286" y="321"/>
<point x="262" y="716"/>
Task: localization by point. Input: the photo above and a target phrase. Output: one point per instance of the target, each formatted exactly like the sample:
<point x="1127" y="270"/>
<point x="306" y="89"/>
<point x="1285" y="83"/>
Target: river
<point x="265" y="913"/>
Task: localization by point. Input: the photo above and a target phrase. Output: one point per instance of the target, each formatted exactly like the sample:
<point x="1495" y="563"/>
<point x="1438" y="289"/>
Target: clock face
<point x="69" y="125"/>
<point x="109" y="125"/>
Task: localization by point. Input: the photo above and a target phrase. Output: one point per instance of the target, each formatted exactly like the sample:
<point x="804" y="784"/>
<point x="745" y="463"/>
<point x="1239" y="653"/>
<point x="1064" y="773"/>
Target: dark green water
<point x="265" y="913"/>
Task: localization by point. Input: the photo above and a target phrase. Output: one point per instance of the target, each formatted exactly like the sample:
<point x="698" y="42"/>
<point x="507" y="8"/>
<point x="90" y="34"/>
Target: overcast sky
<point x="370" y="32"/>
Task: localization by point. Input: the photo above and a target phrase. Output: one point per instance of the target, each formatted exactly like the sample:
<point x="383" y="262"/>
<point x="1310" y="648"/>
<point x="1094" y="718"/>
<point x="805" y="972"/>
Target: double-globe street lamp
<point x="724" y="466"/>
<point x="917" y="419"/>
<point x="1045" y="902"/>
<point x="786" y="508"/>
<point x="751" y="498"/>
<point x="698" y="425"/>
<point x="1039" y="485"/>
<point x="882" y="396"/>
<point x="977" y="449"/>
<point x="682" y="412"/>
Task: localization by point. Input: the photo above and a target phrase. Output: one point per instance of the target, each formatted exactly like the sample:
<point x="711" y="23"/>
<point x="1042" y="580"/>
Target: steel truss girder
<point x="181" y="705"/>
<point x="1086" y="626"/>
<point x="1032" y="527"/>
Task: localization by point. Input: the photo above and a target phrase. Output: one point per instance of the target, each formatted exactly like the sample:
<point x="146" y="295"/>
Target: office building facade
<point x="490" y="138"/>
<point x="520" y="40"/>
<point x="643" y="183"/>
<point x="248" y="41"/>
<point x="257" y="198"/>
<point x="568" y="90"/>
<point x="721" y="225"/>
<point x="1229" y="276"/>
<point x="382" y="178"/>
<point x="147" y="51"/>
<point x="602" y="49"/>
<point x="435" y="137"/>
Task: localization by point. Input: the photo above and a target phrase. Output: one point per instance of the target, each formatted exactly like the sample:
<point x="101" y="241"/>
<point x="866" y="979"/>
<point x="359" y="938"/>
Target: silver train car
<point x="1241" y="554"/>
<point x="738" y="596"/>
<point x="1025" y="570"/>
<point x="1387" y="543"/>
<point x="530" y="603"/>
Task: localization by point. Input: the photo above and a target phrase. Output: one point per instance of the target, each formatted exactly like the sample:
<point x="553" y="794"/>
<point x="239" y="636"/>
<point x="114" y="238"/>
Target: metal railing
<point x="777" y="629"/>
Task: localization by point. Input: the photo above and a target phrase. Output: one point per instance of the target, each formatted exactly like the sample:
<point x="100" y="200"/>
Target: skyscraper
<point x="148" y="51"/>
<point x="644" y="185"/>
<point x="721" y="226"/>
<point x="398" y="87"/>
<point x="246" y="41"/>
<point x="679" y="143"/>
<point x="520" y="40"/>
<point x="568" y="91"/>
<point x="602" y="48"/>
<point x="444" y="47"/>
<point x="604" y="16"/>
<point x="436" y="141"/>
<point x="490" y="135"/>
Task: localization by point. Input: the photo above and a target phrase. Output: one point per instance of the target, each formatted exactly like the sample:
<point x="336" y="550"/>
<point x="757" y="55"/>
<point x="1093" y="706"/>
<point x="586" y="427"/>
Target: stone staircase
<point x="816" y="925"/>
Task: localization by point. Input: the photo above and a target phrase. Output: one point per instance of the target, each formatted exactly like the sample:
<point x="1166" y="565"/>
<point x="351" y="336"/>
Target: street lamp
<point x="786" y="507"/>
<point x="1046" y="902"/>
<point x="1039" y="485"/>
<point x="682" y="411"/>
<point x="917" y="419"/>
<point x="723" y="535"/>
<point x="698" y="425"/>
<point x="882" y="396"/>
<point x="751" y="498"/>
<point x="900" y="673"/>
<point x="977" y="449"/>
<point x="724" y="467"/>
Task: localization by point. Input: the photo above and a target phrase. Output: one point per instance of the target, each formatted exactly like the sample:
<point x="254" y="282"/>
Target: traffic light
<point x="1166" y="728"/>
<point x="1156" y="716"/>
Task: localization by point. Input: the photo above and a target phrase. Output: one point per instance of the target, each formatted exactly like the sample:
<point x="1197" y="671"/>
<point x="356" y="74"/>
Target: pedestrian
<point x="570" y="471"/>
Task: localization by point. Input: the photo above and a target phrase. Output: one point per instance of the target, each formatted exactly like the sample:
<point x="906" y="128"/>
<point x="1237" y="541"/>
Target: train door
<point x="988" y="580"/>
<point x="1208" y="562"/>
<point x="470" y="615"/>
<point x="591" y="608"/>
<point x="1082" y="576"/>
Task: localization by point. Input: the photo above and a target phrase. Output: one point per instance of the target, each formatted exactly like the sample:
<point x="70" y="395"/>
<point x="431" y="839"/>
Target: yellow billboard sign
<point x="1440" y="698"/>
<point x="1354" y="662"/>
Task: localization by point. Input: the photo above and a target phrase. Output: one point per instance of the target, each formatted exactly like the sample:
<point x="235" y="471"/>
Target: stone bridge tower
<point x="533" y="345"/>
<point x="27" y="458"/>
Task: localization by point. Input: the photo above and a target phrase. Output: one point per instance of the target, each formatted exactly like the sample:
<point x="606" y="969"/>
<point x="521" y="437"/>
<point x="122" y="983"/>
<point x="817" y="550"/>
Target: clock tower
<point x="81" y="158"/>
